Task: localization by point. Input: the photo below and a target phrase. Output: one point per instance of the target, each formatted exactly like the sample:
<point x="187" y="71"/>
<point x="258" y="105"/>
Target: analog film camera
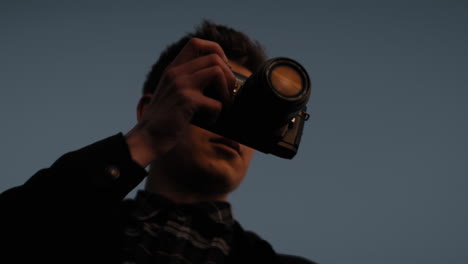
<point x="268" y="109"/>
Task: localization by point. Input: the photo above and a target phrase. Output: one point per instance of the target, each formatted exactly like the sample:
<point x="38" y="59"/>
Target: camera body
<point x="268" y="109"/>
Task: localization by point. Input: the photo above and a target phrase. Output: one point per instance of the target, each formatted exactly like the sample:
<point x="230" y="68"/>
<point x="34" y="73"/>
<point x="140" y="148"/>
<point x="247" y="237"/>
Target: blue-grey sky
<point x="381" y="175"/>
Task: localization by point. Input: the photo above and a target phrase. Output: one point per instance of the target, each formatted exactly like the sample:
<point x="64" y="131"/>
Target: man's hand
<point x="163" y="117"/>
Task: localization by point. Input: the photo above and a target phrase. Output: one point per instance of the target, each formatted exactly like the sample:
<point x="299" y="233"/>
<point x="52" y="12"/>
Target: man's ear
<point x="142" y="104"/>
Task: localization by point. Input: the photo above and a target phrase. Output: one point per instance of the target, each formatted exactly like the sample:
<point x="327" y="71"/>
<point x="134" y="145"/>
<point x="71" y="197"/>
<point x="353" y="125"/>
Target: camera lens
<point x="286" y="80"/>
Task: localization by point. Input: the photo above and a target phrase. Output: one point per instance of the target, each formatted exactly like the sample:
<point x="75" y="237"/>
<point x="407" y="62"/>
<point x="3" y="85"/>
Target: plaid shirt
<point x="160" y="231"/>
<point x="73" y="212"/>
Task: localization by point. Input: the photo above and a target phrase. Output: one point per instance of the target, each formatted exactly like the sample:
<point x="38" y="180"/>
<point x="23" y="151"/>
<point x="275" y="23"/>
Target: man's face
<point x="205" y="162"/>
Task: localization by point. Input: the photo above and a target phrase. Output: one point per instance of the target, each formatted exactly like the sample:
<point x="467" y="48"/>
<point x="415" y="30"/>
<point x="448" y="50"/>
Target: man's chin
<point x="215" y="179"/>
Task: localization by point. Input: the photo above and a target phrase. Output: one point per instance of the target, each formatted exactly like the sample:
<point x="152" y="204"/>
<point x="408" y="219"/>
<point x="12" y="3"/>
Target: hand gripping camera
<point x="268" y="109"/>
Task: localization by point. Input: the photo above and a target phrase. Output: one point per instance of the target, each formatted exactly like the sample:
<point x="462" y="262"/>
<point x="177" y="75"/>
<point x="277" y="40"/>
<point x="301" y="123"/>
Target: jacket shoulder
<point x="290" y="259"/>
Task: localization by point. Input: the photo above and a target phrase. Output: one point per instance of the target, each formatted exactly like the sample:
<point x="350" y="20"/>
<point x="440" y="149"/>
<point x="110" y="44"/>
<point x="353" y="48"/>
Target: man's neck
<point x="158" y="183"/>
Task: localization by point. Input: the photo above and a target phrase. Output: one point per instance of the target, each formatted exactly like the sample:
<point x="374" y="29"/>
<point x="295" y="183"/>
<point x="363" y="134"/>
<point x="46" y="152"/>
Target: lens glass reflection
<point x="286" y="80"/>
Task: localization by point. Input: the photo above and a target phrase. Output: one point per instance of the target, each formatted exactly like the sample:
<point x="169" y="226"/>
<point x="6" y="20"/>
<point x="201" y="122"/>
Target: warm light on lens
<point x="286" y="80"/>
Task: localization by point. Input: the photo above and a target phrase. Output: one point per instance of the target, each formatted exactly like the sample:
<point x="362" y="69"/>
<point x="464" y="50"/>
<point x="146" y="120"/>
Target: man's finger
<point x="205" y="62"/>
<point x="195" y="48"/>
<point x="212" y="82"/>
<point x="208" y="110"/>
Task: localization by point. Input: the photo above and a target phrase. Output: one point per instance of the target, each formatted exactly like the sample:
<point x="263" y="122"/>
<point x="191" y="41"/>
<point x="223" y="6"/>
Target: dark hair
<point x="237" y="46"/>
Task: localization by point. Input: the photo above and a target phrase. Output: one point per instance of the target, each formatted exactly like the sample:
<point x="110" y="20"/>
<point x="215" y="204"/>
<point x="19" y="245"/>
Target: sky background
<point x="382" y="172"/>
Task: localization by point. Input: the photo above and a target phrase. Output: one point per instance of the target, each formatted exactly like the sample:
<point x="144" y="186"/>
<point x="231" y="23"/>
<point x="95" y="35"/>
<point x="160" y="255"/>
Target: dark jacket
<point x="73" y="212"/>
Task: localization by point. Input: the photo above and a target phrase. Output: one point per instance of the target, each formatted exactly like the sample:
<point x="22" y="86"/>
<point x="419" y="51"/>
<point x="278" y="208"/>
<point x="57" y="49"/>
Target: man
<point x="73" y="211"/>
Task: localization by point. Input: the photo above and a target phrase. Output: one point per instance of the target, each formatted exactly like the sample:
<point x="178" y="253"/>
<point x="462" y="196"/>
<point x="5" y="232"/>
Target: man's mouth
<point x="228" y="142"/>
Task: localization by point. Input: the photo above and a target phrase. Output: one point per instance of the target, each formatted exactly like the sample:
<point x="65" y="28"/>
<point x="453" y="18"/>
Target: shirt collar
<point x="151" y="204"/>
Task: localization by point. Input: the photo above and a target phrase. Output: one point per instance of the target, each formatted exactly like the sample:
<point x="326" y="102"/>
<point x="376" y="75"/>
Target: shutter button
<point x="113" y="171"/>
